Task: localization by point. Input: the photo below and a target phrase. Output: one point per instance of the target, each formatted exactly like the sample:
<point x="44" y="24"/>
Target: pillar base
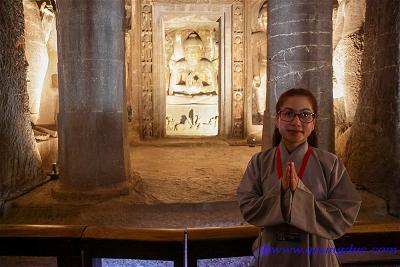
<point x="87" y="195"/>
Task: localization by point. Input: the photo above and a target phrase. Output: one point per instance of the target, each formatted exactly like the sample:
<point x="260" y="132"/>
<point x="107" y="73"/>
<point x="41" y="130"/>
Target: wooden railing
<point x="83" y="246"/>
<point x="219" y="242"/>
<point x="146" y="243"/>
<point x="61" y="241"/>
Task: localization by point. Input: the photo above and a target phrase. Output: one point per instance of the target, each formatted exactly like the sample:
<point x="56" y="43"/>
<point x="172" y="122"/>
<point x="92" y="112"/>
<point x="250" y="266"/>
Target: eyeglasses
<point x="304" y="116"/>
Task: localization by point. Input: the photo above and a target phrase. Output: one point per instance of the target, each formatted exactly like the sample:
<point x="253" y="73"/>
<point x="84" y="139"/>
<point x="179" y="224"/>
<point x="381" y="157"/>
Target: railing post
<point x="69" y="260"/>
<point x="89" y="261"/>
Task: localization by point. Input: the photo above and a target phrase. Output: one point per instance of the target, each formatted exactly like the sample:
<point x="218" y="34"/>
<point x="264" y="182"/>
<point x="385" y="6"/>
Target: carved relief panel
<point x="192" y="85"/>
<point x="238" y="77"/>
<point x="146" y="73"/>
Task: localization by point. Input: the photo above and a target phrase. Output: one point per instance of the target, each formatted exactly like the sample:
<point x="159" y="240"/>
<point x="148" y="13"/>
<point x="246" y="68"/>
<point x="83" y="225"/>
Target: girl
<point x="300" y="195"/>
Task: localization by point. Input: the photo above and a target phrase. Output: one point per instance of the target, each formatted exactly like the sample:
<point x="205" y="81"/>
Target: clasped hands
<point x="290" y="179"/>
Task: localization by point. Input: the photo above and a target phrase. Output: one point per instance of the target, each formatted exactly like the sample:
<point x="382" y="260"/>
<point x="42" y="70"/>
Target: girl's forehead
<point x="297" y="102"/>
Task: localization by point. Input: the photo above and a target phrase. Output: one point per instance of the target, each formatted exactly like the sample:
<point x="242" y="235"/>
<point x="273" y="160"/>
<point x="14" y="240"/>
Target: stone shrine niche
<point x="191" y="75"/>
<point x="191" y="79"/>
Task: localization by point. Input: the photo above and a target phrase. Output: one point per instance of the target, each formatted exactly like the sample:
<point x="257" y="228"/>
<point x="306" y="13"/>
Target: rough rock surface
<point x="372" y="155"/>
<point x="19" y="156"/>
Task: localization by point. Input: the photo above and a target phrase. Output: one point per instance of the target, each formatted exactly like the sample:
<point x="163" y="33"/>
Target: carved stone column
<point x="300" y="55"/>
<point x="92" y="145"/>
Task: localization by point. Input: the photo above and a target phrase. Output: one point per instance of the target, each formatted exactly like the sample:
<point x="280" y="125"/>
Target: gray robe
<point x="324" y="205"/>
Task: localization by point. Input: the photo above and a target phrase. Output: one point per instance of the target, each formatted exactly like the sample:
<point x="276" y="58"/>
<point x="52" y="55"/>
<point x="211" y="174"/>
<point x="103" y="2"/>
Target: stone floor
<point x="173" y="185"/>
<point x="176" y="184"/>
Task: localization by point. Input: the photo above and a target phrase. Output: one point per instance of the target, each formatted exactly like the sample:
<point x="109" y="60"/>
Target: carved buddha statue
<point x="259" y="64"/>
<point x="193" y="74"/>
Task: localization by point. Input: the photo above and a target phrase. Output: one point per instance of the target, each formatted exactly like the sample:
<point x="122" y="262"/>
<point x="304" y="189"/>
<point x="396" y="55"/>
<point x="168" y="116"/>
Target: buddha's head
<point x="263" y="17"/>
<point x="193" y="47"/>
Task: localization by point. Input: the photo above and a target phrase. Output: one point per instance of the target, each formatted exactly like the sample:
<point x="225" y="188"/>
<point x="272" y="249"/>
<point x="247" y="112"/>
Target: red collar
<point x="303" y="164"/>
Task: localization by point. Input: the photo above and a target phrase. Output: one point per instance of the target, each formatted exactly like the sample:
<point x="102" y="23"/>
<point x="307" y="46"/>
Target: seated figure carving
<point x="193" y="74"/>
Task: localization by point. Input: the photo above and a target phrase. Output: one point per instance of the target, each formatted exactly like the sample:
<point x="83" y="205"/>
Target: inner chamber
<point x="192" y="80"/>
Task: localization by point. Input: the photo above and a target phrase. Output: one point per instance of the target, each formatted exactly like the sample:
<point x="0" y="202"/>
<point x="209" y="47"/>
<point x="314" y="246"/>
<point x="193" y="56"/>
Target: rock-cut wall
<point x="19" y="157"/>
<point x="372" y="153"/>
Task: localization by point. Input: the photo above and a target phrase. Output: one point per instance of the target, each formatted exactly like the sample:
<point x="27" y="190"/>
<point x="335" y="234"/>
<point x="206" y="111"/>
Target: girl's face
<point x="295" y="132"/>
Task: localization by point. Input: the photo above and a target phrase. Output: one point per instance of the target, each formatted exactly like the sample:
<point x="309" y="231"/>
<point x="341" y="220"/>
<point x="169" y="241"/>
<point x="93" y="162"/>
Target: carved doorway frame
<point x="214" y="12"/>
<point x="152" y="94"/>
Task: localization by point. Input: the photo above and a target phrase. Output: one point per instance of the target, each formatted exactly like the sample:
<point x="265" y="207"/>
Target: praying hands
<point x="290" y="179"/>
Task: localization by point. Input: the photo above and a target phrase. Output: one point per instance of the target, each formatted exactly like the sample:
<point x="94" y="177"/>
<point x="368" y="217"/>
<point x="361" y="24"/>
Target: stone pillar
<point x="373" y="151"/>
<point x="300" y="55"/>
<point x="92" y="119"/>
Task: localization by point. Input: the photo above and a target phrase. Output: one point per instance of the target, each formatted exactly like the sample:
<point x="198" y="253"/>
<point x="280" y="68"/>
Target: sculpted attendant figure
<point x="259" y="65"/>
<point x="38" y="25"/>
<point x="301" y="196"/>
